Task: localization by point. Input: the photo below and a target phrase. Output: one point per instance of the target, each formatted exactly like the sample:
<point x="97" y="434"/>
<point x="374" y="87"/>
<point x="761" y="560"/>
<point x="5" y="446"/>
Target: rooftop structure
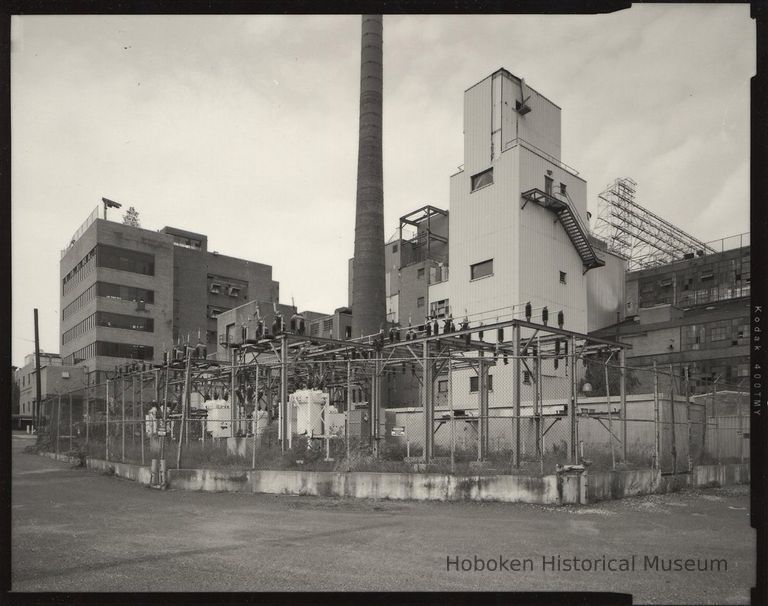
<point x="641" y="236"/>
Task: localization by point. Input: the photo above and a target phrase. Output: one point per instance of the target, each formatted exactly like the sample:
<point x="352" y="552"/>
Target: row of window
<point x="109" y="320"/>
<point x="81" y="301"/>
<point x="124" y="259"/>
<point x="115" y="350"/>
<point x="79" y="329"/>
<point x="125" y="293"/>
<point x="85" y="266"/>
<point x="727" y="332"/>
<point x="110" y="291"/>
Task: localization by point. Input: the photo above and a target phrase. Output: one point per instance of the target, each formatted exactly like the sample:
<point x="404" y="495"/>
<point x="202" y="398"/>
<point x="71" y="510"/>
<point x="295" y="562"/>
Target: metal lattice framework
<point x="634" y="232"/>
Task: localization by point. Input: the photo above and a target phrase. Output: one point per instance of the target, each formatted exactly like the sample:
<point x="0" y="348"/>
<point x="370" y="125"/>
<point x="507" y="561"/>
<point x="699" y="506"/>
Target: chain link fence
<point x="490" y="414"/>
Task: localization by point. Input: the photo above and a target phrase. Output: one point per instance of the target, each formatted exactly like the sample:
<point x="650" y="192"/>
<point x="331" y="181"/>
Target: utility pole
<point x="37" y="375"/>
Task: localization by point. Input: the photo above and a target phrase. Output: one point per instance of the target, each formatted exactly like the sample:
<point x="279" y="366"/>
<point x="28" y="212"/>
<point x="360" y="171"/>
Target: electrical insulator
<point x="500" y="335"/>
<point x="544" y="316"/>
<point x="528" y="311"/>
<point x="560" y="318"/>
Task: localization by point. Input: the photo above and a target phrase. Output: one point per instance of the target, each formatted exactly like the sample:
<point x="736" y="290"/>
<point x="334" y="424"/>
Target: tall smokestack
<point x="368" y="290"/>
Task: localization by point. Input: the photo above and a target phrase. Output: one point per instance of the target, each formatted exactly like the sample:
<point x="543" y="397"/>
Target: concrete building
<point x="692" y="314"/>
<point x="55" y="378"/>
<point x="129" y="293"/>
<point x="337" y="325"/>
<point x="232" y="323"/>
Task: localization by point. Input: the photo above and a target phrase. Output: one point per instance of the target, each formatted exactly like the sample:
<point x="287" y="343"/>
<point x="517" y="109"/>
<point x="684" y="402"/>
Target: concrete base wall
<point x="608" y="485"/>
<point x="561" y="489"/>
<point x="137" y="473"/>
<point x="371" y="485"/>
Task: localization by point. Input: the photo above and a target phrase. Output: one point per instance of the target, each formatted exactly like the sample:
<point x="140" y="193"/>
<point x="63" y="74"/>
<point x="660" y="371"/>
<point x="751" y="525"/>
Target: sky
<point x="244" y="128"/>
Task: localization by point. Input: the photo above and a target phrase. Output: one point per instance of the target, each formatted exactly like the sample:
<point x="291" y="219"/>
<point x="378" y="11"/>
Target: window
<point x="526" y="377"/>
<point x="482" y="179"/>
<point x="438" y="309"/>
<point x="706" y="276"/>
<point x="442" y="386"/>
<point x="474" y="383"/>
<point x="347" y="332"/>
<point x="394" y="248"/>
<point x="563" y="190"/>
<point x="215" y="288"/>
<point x="420" y="302"/>
<point x="234" y="291"/>
<point x="124" y="293"/>
<point x="124" y="350"/>
<point x="482" y="269"/>
<point x="111" y="320"/>
<point x="548" y="185"/>
<point x="563" y="277"/>
<point x="420" y="273"/>
<point x="123" y="259"/>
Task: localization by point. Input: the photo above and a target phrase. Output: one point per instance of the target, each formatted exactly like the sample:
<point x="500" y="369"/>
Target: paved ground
<point x="77" y="530"/>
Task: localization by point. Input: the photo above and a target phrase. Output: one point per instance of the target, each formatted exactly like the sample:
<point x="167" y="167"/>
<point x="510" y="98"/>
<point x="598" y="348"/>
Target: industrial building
<point x="55" y="378"/>
<point x="129" y="293"/>
<point x="692" y="314"/>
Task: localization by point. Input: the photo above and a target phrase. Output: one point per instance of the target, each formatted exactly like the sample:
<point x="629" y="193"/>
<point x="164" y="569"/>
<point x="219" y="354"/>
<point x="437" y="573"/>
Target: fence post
<point x="516" y="351"/>
<point x="254" y="418"/>
<point x="539" y="408"/>
<point x="58" y="423"/>
<point x="741" y="430"/>
<point x="349" y="408"/>
<point x="610" y="416"/>
<point x="672" y="418"/>
<point x="87" y="413"/>
<point x="285" y="440"/>
<point x="142" y="421"/>
<point x="429" y="416"/>
<point x="122" y="399"/>
<point x="688" y="418"/>
<point x="482" y="422"/>
<point x="573" y="417"/>
<point x="717" y="420"/>
<point x="184" y="399"/>
<point x="450" y="402"/>
<point x="106" y="424"/>
<point x="656" y="426"/>
<point x="623" y="395"/>
<point x="70" y="421"/>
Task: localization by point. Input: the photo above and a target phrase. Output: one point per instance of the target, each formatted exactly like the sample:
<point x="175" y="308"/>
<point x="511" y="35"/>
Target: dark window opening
<point x="482" y="179"/>
<point x="482" y="269"/>
<point x="563" y="277"/>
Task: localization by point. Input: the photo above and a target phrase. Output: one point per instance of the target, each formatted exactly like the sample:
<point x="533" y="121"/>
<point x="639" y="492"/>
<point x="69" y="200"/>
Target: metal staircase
<point x="569" y="219"/>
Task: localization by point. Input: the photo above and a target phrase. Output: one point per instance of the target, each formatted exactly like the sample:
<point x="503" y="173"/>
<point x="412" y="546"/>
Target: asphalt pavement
<point x="79" y="530"/>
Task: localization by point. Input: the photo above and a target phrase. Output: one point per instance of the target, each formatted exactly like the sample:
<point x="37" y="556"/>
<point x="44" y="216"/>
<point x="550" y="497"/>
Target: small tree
<point x="131" y="217"/>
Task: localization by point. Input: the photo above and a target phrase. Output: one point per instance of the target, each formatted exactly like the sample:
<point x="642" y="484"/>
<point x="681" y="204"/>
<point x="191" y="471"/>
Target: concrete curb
<point x="560" y="489"/>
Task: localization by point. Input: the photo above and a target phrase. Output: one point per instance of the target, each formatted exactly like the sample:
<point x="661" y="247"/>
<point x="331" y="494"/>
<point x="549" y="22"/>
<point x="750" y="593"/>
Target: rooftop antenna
<point x="109" y="204"/>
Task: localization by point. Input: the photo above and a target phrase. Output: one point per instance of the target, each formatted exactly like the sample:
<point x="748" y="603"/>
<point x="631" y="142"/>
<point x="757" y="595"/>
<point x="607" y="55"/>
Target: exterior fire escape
<point x="569" y="219"/>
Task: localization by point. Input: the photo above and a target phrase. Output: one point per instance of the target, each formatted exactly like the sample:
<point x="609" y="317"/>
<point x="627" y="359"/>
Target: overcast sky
<point x="245" y="127"/>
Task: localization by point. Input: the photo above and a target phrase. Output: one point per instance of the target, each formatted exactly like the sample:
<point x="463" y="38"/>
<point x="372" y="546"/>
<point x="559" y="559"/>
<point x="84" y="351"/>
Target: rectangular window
<point x="442" y="386"/>
<point x="563" y="277"/>
<point x="526" y="377"/>
<point x="234" y="291"/>
<point x="548" y="185"/>
<point x="420" y="273"/>
<point x="215" y="288"/>
<point x="420" y="302"/>
<point x="482" y="269"/>
<point x="474" y="383"/>
<point x="124" y="293"/>
<point x="482" y="179"/>
<point x="124" y="350"/>
<point x="124" y="259"/>
<point x="394" y="248"/>
<point x="111" y="320"/>
<point x="563" y="190"/>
